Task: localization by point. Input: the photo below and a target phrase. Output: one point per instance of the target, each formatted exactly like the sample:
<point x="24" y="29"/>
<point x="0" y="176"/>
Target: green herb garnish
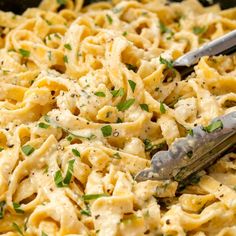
<point x="76" y="152"/>
<point x="58" y="179"/>
<point x="46" y="118"/>
<point x="43" y="234"/>
<point x="144" y="107"/>
<point x="169" y="64"/>
<point x="69" y="172"/>
<point x="17" y="228"/>
<point x="199" y="30"/>
<point x="17" y="208"/>
<point x="61" y="2"/>
<point x="119" y="92"/>
<point x="24" y="53"/>
<point x="85" y="212"/>
<point x="190" y="132"/>
<point x="162" y="108"/>
<point x="122" y="106"/>
<point x="110" y="20"/>
<point x="88" y="197"/>
<point x="27" y="150"/>
<point x="68" y="46"/>
<point x="132" y="84"/>
<point x="1" y="149"/>
<point x="100" y="94"/>
<point x="116" y="156"/>
<point x="65" y="59"/>
<point x="214" y="126"/>
<point x="43" y="125"/>
<point x="125" y="33"/>
<point x="132" y="67"/>
<point x="2" y="204"/>
<point x="106" y="130"/>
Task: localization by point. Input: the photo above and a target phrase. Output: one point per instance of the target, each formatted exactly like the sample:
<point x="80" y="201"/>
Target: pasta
<point x="87" y="96"/>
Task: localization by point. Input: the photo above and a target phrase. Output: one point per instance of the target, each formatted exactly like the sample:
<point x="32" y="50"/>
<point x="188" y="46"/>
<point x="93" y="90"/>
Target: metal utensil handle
<point x="223" y="45"/>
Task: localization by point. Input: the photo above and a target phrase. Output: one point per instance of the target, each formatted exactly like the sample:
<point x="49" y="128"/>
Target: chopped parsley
<point x="2" y="204"/>
<point x="116" y="156"/>
<point x="43" y="234"/>
<point x="190" y="132"/>
<point x="106" y="130"/>
<point x="162" y="108"/>
<point x="43" y="125"/>
<point x="213" y="126"/>
<point x="165" y="29"/>
<point x="119" y="92"/>
<point x="88" y="197"/>
<point x="61" y="2"/>
<point x="125" y="33"/>
<point x="85" y="212"/>
<point x="24" y="53"/>
<point x="69" y="172"/>
<point x="199" y="30"/>
<point x="27" y="150"/>
<point x="169" y="64"/>
<point x="122" y="106"/>
<point x="1" y="149"/>
<point x="17" y="228"/>
<point x="100" y="94"/>
<point x="65" y="59"/>
<point x="110" y="20"/>
<point x="17" y="208"/>
<point x="76" y="152"/>
<point x="148" y="145"/>
<point x="144" y="107"/>
<point x="58" y="179"/>
<point x="132" y="67"/>
<point x="68" y="46"/>
<point x="132" y="84"/>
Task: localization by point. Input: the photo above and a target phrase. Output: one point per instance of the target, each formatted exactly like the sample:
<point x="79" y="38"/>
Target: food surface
<point x="87" y="96"/>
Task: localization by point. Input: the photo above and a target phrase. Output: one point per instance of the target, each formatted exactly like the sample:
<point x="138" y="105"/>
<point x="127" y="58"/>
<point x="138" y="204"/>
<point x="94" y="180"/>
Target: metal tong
<point x="201" y="147"/>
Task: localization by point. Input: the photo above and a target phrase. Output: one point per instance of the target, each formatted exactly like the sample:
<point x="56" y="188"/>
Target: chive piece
<point x="190" y="132"/>
<point x="189" y="154"/>
<point x="43" y="125"/>
<point x="58" y="179"/>
<point x="116" y="156"/>
<point x="162" y="108"/>
<point x="132" y="67"/>
<point x="17" y="208"/>
<point x="169" y="64"/>
<point x="65" y="59"/>
<point x="165" y="29"/>
<point x="199" y="30"/>
<point x="100" y="94"/>
<point x="125" y="33"/>
<point x="61" y="2"/>
<point x="69" y="137"/>
<point x="119" y="120"/>
<point x="27" y="150"/>
<point x="43" y="234"/>
<point x="85" y="212"/>
<point x="17" y="228"/>
<point x="214" y="126"/>
<point x="144" y="107"/>
<point x="1" y="149"/>
<point x="68" y="46"/>
<point x="24" y="53"/>
<point x="132" y="85"/>
<point x="2" y="204"/>
<point x="110" y="20"/>
<point x="88" y="197"/>
<point x="119" y="92"/>
<point x="122" y="106"/>
<point x="106" y="130"/>
<point x="46" y="118"/>
<point x="148" y="145"/>
<point x="76" y="152"/>
<point x="69" y="172"/>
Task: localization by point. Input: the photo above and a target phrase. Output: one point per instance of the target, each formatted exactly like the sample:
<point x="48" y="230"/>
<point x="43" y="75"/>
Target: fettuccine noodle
<point x="87" y="95"/>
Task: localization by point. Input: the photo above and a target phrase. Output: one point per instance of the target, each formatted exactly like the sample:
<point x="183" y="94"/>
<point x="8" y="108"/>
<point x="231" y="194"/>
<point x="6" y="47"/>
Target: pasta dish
<point x="87" y="96"/>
